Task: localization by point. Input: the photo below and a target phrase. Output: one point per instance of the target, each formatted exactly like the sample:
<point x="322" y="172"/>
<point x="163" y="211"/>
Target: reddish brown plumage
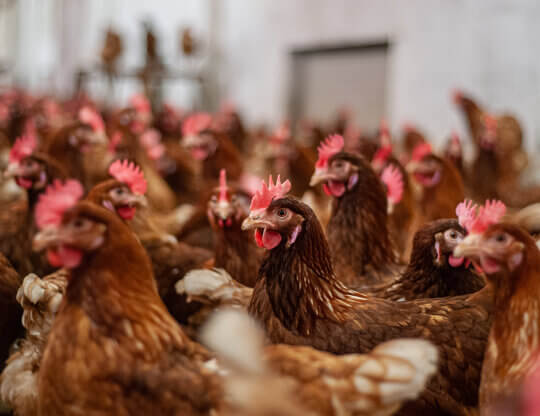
<point x="171" y="260"/>
<point x="17" y="222"/>
<point x="114" y="348"/>
<point x="298" y="300"/>
<point x="440" y="200"/>
<point x="234" y="249"/>
<point x="429" y="275"/>
<point x="514" y="340"/>
<point x="362" y="250"/>
<point x="10" y="310"/>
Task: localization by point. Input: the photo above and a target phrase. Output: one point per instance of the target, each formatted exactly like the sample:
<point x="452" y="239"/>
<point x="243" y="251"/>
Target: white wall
<point x="483" y="46"/>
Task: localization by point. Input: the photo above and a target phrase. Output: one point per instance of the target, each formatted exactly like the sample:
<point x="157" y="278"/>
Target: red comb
<point x="23" y="147"/>
<point x="490" y="122"/>
<point x="223" y="185"/>
<point x="478" y="221"/>
<point x="328" y="148"/>
<point x="196" y="123"/>
<point x="420" y="151"/>
<point x="140" y="103"/>
<point x="466" y="213"/>
<point x="455" y="138"/>
<point x="130" y="174"/>
<point x="55" y="201"/>
<point x="384" y="135"/>
<point x="265" y="194"/>
<point x="489" y="214"/>
<point x="116" y="139"/>
<point x="393" y="179"/>
<point x="89" y="116"/>
<point x="457" y="96"/>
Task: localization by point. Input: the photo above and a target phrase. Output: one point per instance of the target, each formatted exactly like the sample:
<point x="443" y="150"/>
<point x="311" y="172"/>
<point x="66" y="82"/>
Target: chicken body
<point x="299" y="301"/>
<point x="40" y="300"/>
<point x="114" y="348"/>
<point x="292" y="380"/>
<point x="432" y="271"/>
<point x="362" y="250"/>
<point x="511" y="260"/>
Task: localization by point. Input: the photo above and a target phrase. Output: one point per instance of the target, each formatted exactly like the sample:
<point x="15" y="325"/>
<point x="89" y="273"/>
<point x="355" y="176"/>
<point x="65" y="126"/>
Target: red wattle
<point x="271" y="239"/>
<point x="126" y="212"/>
<point x="258" y="238"/>
<point x="24" y="183"/>
<point x="455" y="261"/>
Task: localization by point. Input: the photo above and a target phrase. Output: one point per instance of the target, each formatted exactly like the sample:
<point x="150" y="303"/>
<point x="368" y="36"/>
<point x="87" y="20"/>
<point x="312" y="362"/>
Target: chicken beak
<point x="46" y="238"/>
<point x="471" y="246"/>
<point x="191" y="140"/>
<point x="99" y="138"/>
<point x="138" y="200"/>
<point x="12" y="170"/>
<point x="412" y="166"/>
<point x="255" y="221"/>
<point x="318" y="176"/>
<point x="224" y="210"/>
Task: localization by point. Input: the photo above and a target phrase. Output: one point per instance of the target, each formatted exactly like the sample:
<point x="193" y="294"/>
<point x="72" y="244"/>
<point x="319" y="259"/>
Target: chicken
<point x="284" y="156"/>
<point x="511" y="261"/>
<point x="293" y="380"/>
<point x="113" y="347"/>
<point x="500" y="157"/>
<point x="111" y="51"/>
<point x="402" y="214"/>
<point x="32" y="171"/>
<point x="124" y="195"/>
<point x="40" y="299"/>
<point x="235" y="250"/>
<point x="433" y="271"/>
<point x="214" y="150"/>
<point x="454" y="153"/>
<point x="412" y="137"/>
<point x="363" y="252"/>
<point x="440" y="186"/>
<point x="299" y="300"/>
<point x="129" y="130"/>
<point x="10" y="311"/>
<point x="70" y="144"/>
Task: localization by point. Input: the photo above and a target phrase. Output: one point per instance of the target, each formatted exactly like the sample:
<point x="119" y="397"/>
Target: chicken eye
<point x="78" y="223"/>
<point x="282" y="213"/>
<point x="500" y="238"/>
<point x="119" y="191"/>
<point x="213" y="198"/>
<point x="453" y="235"/>
<point x="234" y="198"/>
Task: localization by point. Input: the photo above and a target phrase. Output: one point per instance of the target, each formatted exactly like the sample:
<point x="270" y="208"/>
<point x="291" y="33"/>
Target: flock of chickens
<point x="146" y="269"/>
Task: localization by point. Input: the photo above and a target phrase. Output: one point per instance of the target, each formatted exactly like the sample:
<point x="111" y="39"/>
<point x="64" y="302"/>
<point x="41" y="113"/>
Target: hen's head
<point x="125" y="193"/>
<point x="198" y="137"/>
<point x="227" y="206"/>
<point x="89" y="131"/>
<point x="276" y="219"/>
<point x="337" y="170"/>
<point x="66" y="229"/>
<point x="440" y="237"/>
<point x="488" y="134"/>
<point x="31" y="169"/>
<point x="426" y="168"/>
<point x="494" y="247"/>
<point x="501" y="248"/>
